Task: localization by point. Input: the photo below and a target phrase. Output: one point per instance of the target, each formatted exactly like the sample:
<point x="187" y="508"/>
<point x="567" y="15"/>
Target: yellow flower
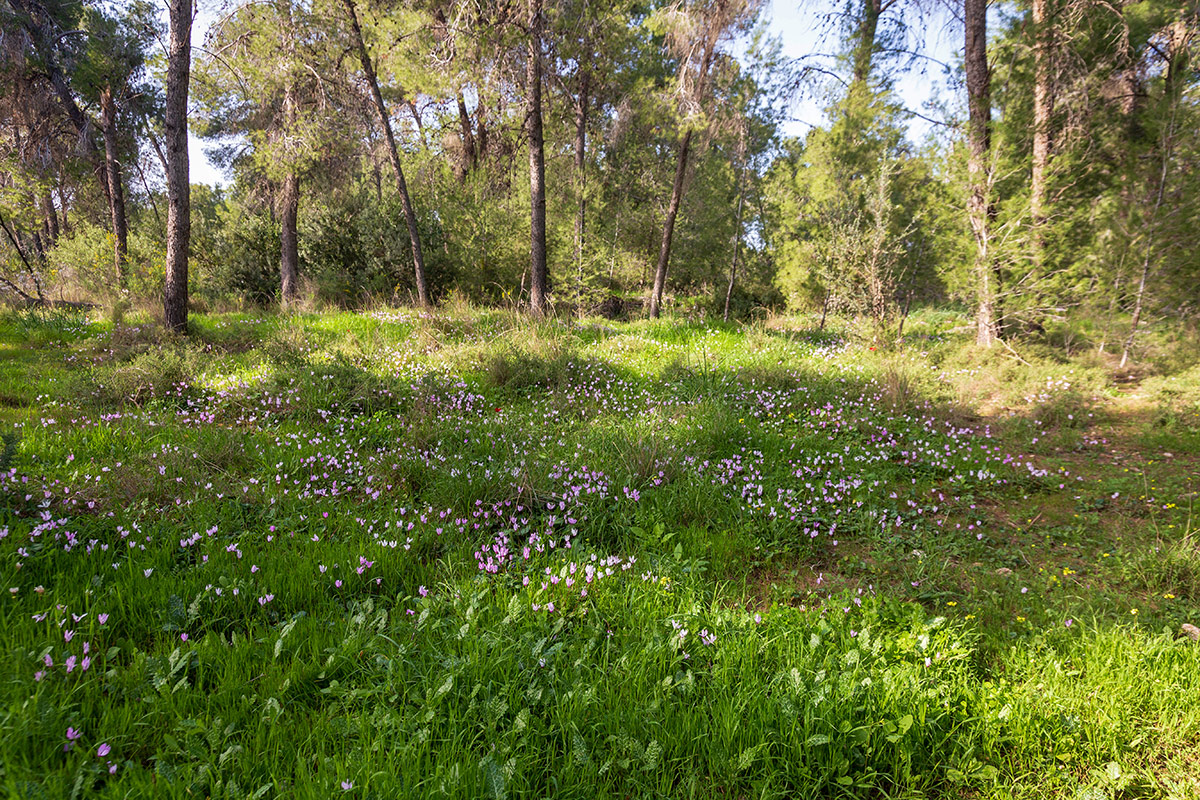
<point x="1168" y="597"/>
<point x="952" y="603"/>
<point x="1133" y="611"/>
<point x="1020" y="618"/>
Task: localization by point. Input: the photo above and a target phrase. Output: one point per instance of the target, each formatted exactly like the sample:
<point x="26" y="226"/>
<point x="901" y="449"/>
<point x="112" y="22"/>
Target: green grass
<point x="468" y="555"/>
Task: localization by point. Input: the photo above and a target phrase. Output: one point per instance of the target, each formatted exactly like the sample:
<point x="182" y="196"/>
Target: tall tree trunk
<point x="289" y="201"/>
<point x="979" y="208"/>
<point x="737" y="238"/>
<point x="470" y="155"/>
<point x="410" y="217"/>
<point x="864" y="46"/>
<point x="664" y="249"/>
<point x="116" y="188"/>
<point x="179" y="227"/>
<point x="289" y="257"/>
<point x="51" y="216"/>
<point x="1043" y="107"/>
<point x="537" y="162"/>
<point x="65" y="227"/>
<point x="581" y="119"/>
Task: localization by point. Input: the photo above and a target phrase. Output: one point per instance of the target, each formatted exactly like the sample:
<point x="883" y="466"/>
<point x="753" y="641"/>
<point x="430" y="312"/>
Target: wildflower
<point x="103" y="750"/>
<point x="1069" y="622"/>
<point x="347" y="786"/>
<point x="72" y="735"/>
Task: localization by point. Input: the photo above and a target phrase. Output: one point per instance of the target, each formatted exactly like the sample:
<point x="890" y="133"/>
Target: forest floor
<point x="460" y="554"/>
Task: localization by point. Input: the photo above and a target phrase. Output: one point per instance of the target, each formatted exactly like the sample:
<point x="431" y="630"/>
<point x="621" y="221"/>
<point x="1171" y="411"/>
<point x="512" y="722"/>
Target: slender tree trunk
<point x="289" y="200"/>
<point x="737" y="240"/>
<point x="1043" y="107"/>
<point x="864" y="48"/>
<point x="51" y="216"/>
<point x="289" y="258"/>
<point x="65" y="227"/>
<point x="685" y="144"/>
<point x="581" y="118"/>
<point x="410" y="216"/>
<point x="664" y="250"/>
<point x="149" y="194"/>
<point x="470" y="155"/>
<point x="978" y="145"/>
<point x="537" y="162"/>
<point x="116" y="188"/>
<point x="179" y="227"/>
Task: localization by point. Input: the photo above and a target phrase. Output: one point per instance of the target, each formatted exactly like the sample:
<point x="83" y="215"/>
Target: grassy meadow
<point x="391" y="554"/>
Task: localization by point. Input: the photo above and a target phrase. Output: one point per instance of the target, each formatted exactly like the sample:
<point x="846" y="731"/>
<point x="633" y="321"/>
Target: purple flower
<point x="102" y="618"/>
<point x="1069" y="622"/>
<point x="103" y="750"/>
<point x="347" y="786"/>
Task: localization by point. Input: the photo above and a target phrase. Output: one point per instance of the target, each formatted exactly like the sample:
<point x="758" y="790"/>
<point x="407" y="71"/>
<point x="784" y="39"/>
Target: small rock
<point x="1005" y="571"/>
<point x="1168" y="455"/>
<point x="1190" y="631"/>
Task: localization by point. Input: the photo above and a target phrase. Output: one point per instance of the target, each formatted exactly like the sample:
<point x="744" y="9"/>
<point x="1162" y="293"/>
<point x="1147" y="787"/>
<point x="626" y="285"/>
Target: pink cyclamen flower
<point x="183" y="637"/>
<point x="73" y="734"/>
<point x="423" y="591"/>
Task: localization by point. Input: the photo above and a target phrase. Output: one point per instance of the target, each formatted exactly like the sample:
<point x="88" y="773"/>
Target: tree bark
<point x="664" y="249"/>
<point x="116" y="187"/>
<point x="864" y="48"/>
<point x="581" y="119"/>
<point x="470" y="156"/>
<point x="979" y="208"/>
<point x="685" y="144"/>
<point x="410" y="217"/>
<point x="289" y="258"/>
<point x="51" y="216"/>
<point x="537" y="163"/>
<point x="737" y="239"/>
<point x="1043" y="107"/>
<point x="179" y="228"/>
